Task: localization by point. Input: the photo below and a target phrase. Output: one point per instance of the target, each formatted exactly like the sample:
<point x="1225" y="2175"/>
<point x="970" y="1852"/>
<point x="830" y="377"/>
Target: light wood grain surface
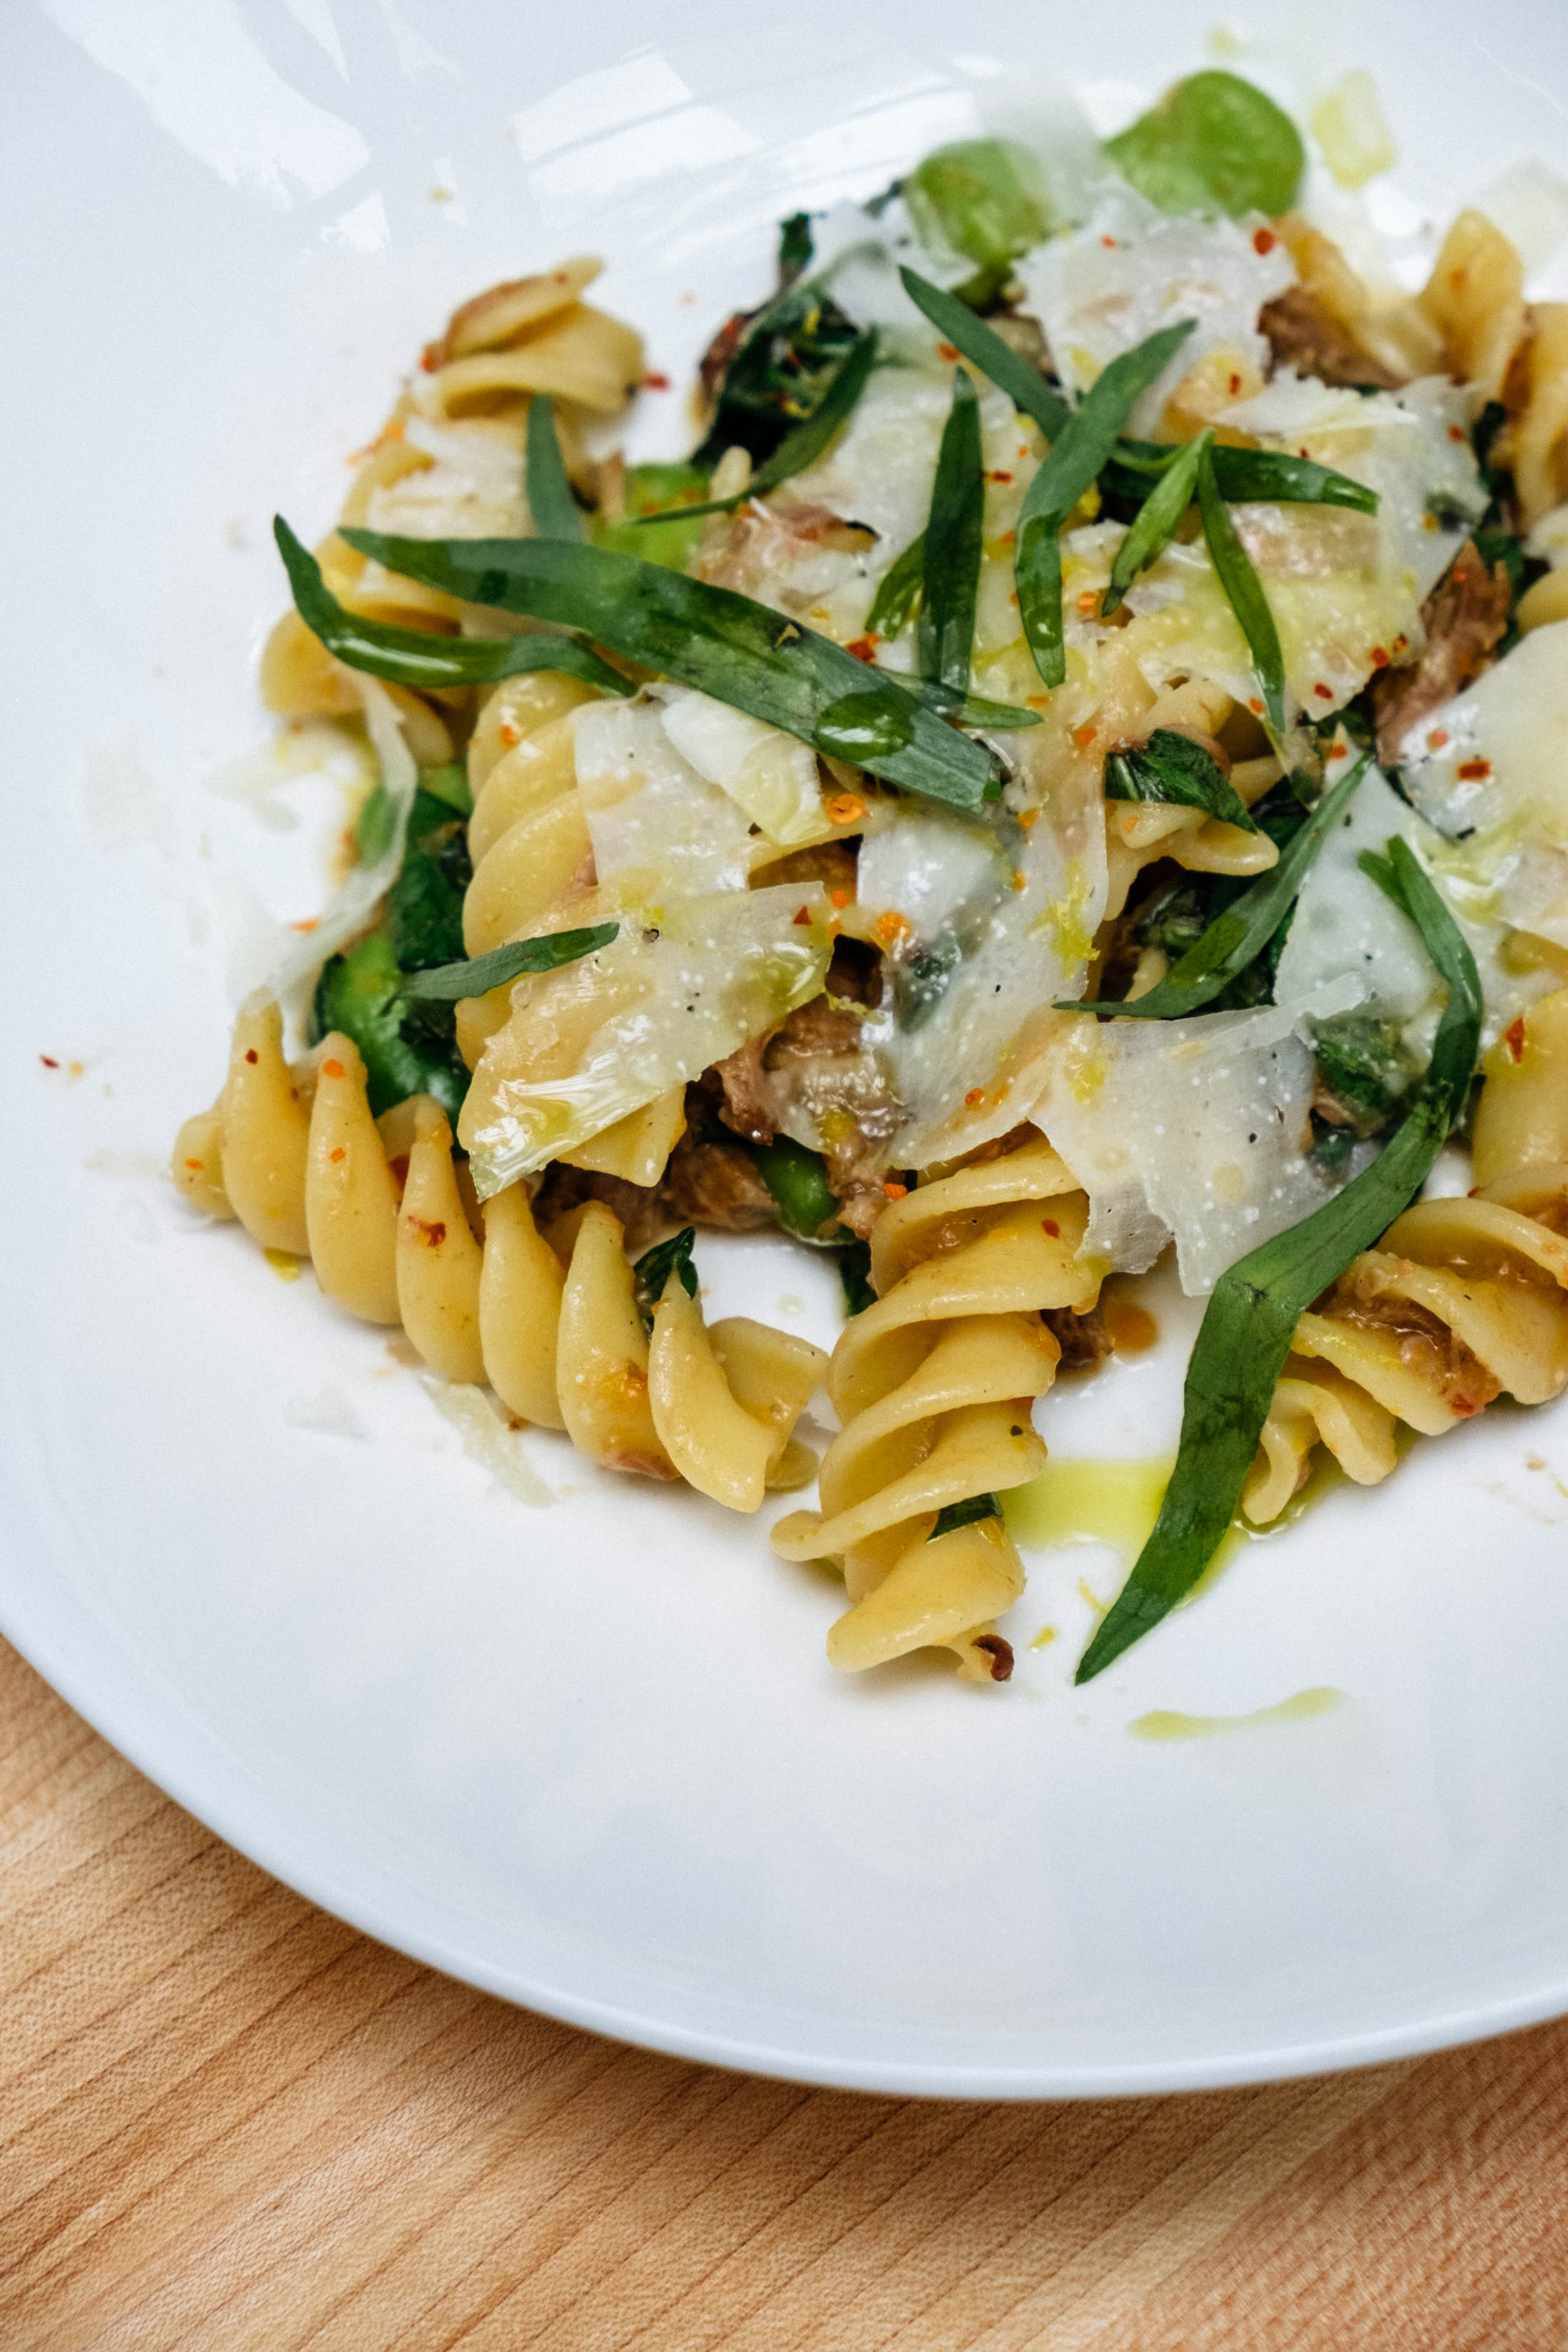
<point x="227" y="2121"/>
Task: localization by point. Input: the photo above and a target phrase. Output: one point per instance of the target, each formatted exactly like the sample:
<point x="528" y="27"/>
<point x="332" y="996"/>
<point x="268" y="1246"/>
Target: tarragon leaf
<point x="448" y="983"/>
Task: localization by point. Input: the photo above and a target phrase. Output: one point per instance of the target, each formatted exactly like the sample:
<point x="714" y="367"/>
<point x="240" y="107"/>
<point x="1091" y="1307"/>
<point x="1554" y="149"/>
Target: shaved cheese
<point x="1197" y="1129"/>
<point x="679" y="987"/>
<point x="1343" y="925"/>
<point x="355" y="904"/>
<point x="1133" y="270"/>
<point x="648" y="811"/>
<point x="472" y="489"/>
<point x="770" y="776"/>
<point x="1345" y="589"/>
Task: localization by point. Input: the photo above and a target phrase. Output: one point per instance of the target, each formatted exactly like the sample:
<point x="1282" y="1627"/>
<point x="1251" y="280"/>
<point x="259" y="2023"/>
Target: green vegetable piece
<point x="1362" y="1063"/>
<point x="786" y="353"/>
<point x="1246" y="925"/>
<point x="1075" y="456"/>
<point x="372" y="826"/>
<point x="418" y="658"/>
<point x="675" y="491"/>
<point x="1173" y="769"/>
<point x="1244" y="593"/>
<point x="449" y="784"/>
<point x="800" y="449"/>
<point x="549" y="489"/>
<point x="855" y="1274"/>
<point x="1157" y="519"/>
<point x="984" y="198"/>
<point x="898" y="591"/>
<point x="798" y="1180"/>
<point x="725" y="645"/>
<point x="448" y="983"/>
<point x="358" y="993"/>
<point x="952" y="536"/>
<point x="653" y="1271"/>
<point x="1252" y="1316"/>
<point x="953" y="1515"/>
<point x="796" y="248"/>
<point x="425" y="905"/>
<point x="1025" y="387"/>
<point x="1213" y="143"/>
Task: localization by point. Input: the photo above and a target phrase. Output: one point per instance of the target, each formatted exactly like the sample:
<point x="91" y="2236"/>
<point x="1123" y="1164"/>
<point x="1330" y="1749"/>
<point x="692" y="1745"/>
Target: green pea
<point x="798" y="1182"/>
<point x="984" y="198"/>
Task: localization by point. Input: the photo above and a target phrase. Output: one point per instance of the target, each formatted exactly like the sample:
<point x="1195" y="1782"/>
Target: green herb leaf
<point x="425" y="905"/>
<point x="975" y="710"/>
<point x="855" y="1274"/>
<point x="448" y="983"/>
<point x="1213" y="143"/>
<point x="710" y="638"/>
<point x="418" y="658"/>
<point x="952" y="536"/>
<point x="1246" y="925"/>
<point x="984" y="198"/>
<point x="1252" y="1316"/>
<point x="897" y="593"/>
<point x="1075" y="456"/>
<point x="653" y="1270"/>
<point x="784" y="355"/>
<point x="798" y="1180"/>
<point x="800" y="449"/>
<point x="548" y="488"/>
<point x="953" y="1515"/>
<point x="1173" y="769"/>
<point x="1248" y="477"/>
<point x="1025" y="387"/>
<point x="795" y="247"/>
<point x="1157" y="519"/>
<point x="1244" y="593"/>
<point x="358" y="993"/>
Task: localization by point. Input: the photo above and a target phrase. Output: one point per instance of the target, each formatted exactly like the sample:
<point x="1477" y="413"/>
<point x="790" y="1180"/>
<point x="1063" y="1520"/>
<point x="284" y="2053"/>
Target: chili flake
<point x="1473" y="770"/>
<point x="1513" y="1038"/>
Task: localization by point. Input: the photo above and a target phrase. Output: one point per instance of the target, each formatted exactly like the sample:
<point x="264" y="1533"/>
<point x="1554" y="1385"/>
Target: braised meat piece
<point x="1304" y="334"/>
<point x="1083" y="1338"/>
<point x="1464" y="617"/>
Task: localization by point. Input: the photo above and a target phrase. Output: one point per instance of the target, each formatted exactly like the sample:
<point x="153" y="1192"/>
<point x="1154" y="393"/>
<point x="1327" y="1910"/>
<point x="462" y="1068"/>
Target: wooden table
<point x="229" y="2121"/>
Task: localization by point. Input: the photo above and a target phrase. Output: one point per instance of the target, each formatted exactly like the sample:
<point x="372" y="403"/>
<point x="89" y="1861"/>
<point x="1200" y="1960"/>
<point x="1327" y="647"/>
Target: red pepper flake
<point x="896" y="1192"/>
<point x="803" y="915"/>
<point x="196" y="1166"/>
<point x="331" y="1069"/>
<point x="947" y="351"/>
<point x="844" y="807"/>
<point x="510" y="732"/>
<point x="1324" y="693"/>
<point x="1464" y="1406"/>
<point x="1456" y="433"/>
<point x="1088" y="600"/>
<point x="1513" y="1038"/>
<point x="1264" y="240"/>
<point x="250" y="1055"/>
<point x="976" y="1095"/>
<point x="50" y="1062"/>
<point x="656" y="379"/>
<point x="430" y="1230"/>
<point x="1027" y="819"/>
<point x="1235" y="383"/>
<point x="1049" y="1225"/>
<point x="1400" y="641"/>
<point x="1254" y="704"/>
<point x="864" y="648"/>
<point x="840" y="898"/>
<point x="998" y="477"/>
<point x="1083" y="736"/>
<point x="338" y="1154"/>
<point x="1380" y="657"/>
<point x="1109" y="241"/>
<point x="1473" y="770"/>
<point x="1437" y="737"/>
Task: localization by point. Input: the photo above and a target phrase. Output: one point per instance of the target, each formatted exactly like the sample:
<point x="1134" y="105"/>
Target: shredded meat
<point x="999" y="1652"/>
<point x="717" y="1185"/>
<point x="831" y="863"/>
<point x="1464" y="616"/>
<point x="765" y="544"/>
<point x="756" y="1079"/>
<point x="1083" y="1338"/>
<point x="638" y="1206"/>
<point x="1304" y="334"/>
<point x="1366" y="1296"/>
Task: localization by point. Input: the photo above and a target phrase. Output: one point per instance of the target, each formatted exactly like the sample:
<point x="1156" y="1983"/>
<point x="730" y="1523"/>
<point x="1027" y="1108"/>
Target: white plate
<point x="589" y="1754"/>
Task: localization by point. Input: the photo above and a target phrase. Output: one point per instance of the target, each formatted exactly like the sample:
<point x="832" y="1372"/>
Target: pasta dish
<point x="1068" y="770"/>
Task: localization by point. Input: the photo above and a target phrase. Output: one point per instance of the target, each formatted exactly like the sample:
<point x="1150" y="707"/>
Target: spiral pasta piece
<point x="388" y="1219"/>
<point x="1462" y="1301"/>
<point x="933" y="1387"/>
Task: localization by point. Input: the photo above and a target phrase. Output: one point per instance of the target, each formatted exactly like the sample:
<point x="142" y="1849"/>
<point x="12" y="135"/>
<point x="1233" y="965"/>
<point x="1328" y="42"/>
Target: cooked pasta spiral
<point x="1462" y="1300"/>
<point x="933" y="1387"/>
<point x="385" y="1214"/>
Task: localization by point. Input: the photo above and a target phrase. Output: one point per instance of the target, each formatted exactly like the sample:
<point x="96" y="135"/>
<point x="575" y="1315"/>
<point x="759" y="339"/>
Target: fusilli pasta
<point x="1462" y="1301"/>
<point x="933" y="1386"/>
